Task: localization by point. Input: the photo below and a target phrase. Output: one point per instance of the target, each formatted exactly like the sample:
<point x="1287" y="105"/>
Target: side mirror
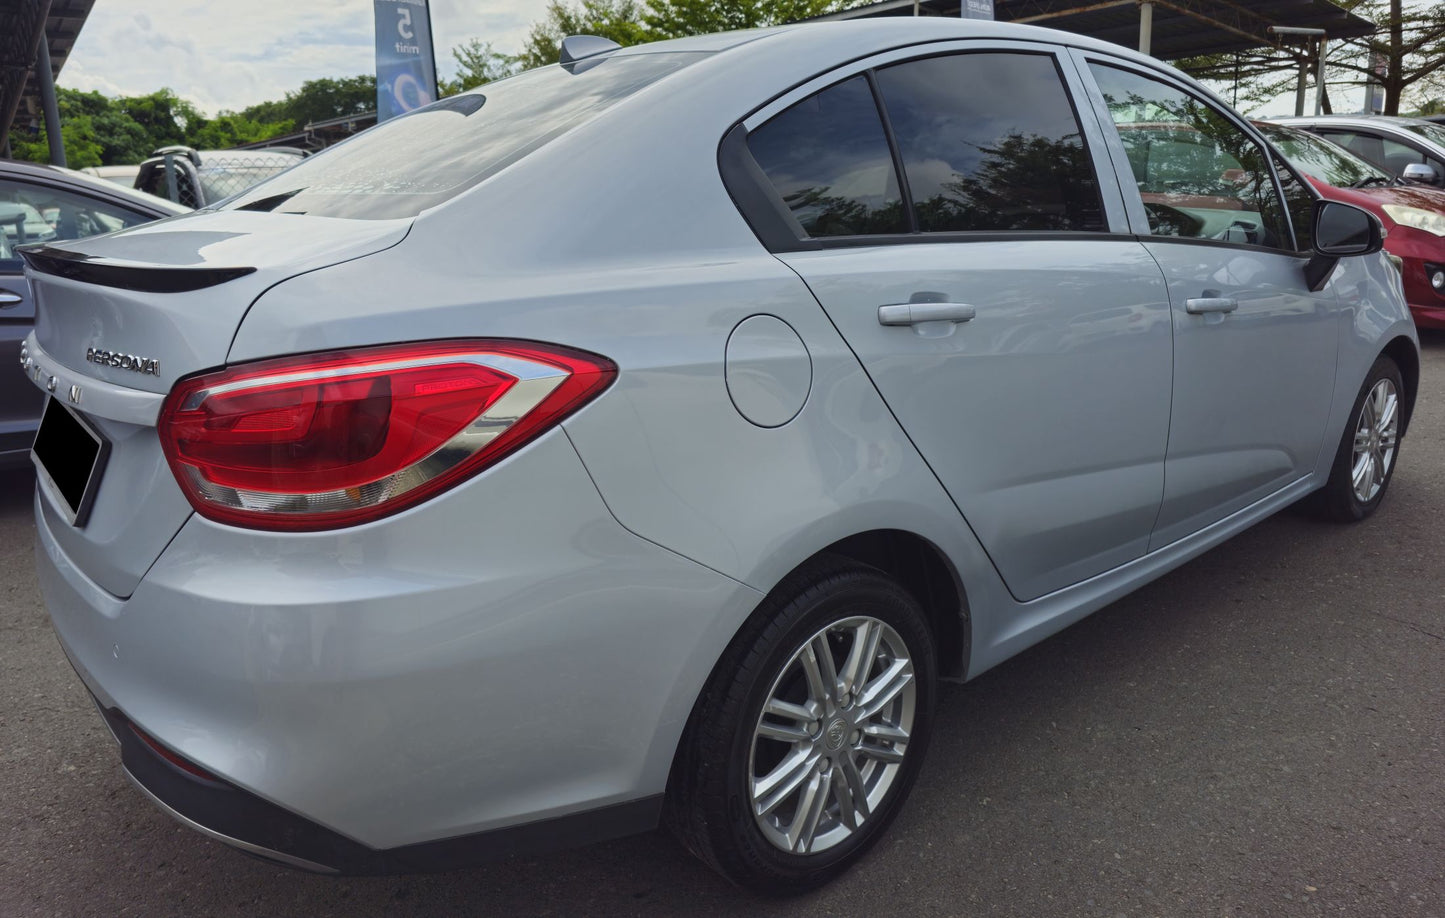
<point x="1421" y="174"/>
<point x="1340" y="231"/>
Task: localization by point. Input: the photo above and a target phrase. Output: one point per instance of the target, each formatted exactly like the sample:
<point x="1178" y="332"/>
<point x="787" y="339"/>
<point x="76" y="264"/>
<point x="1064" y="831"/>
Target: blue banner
<point x="977" y="9"/>
<point x="406" y="70"/>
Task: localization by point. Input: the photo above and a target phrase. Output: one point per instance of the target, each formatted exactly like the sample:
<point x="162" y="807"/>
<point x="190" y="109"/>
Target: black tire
<point x="1338" y="500"/>
<point x="710" y="802"/>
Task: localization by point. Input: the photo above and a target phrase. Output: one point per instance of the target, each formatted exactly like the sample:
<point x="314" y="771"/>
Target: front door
<point x="1253" y="345"/>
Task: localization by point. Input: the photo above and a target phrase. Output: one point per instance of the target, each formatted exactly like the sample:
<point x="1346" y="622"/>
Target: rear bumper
<point x="257" y="827"/>
<point x="380" y="698"/>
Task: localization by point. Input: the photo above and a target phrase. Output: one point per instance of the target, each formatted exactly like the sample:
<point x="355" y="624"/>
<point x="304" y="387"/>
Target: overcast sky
<point x="224" y="54"/>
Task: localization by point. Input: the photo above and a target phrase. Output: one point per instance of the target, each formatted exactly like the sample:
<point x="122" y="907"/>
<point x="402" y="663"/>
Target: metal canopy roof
<point x="1182" y="28"/>
<point x="20" y="31"/>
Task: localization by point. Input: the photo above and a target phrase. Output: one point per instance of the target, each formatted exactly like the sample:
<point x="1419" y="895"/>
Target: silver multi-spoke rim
<point x="832" y="735"/>
<point x="1376" y="436"/>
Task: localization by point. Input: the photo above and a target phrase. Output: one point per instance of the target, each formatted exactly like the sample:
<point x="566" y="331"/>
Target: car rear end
<point x="342" y="605"/>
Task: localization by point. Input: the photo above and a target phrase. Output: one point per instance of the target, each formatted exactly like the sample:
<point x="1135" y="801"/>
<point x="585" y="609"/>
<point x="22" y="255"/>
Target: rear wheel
<point x="810" y="733"/>
<point x="1365" y="460"/>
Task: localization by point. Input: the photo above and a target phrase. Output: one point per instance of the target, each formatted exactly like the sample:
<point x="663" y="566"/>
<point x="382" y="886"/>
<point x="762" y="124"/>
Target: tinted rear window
<point x="990" y="142"/>
<point x="403" y="166"/>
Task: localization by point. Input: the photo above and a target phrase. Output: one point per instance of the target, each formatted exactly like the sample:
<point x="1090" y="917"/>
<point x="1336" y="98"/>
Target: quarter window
<point x="1199" y="174"/>
<point x="990" y="141"/>
<point x="828" y="158"/>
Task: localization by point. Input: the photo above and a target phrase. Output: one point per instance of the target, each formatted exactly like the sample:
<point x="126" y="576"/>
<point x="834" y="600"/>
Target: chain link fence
<point x="198" y="178"/>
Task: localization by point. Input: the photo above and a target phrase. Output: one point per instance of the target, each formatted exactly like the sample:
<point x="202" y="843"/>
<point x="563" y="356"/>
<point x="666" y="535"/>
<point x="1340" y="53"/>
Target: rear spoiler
<point x="109" y="272"/>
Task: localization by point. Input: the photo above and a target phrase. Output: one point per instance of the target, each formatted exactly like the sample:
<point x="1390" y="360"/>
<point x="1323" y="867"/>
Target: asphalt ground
<point x="1257" y="734"/>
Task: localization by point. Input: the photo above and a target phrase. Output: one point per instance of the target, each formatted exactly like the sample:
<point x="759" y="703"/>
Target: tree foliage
<point x="478" y="63"/>
<point x="1410" y="38"/>
<point x="98" y="130"/>
<point x="619" y="20"/>
<point x="318" y="100"/>
<point x="680" y="18"/>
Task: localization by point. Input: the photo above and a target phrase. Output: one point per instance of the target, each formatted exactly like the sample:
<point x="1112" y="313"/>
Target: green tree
<point x="318" y="100"/>
<point x="1410" y="38"/>
<point x="478" y="63"/>
<point x="229" y="129"/>
<point x="680" y="18"/>
<point x="164" y="116"/>
<point x="619" y="20"/>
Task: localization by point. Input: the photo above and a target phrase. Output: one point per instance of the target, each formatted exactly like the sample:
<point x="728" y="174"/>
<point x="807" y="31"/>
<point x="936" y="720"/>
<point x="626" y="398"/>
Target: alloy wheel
<point x="832" y="735"/>
<point x="1376" y="436"/>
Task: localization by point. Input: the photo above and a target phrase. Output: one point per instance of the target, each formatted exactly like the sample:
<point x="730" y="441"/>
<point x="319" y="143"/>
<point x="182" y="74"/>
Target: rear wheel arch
<point x="914" y="562"/>
<point x="922" y="569"/>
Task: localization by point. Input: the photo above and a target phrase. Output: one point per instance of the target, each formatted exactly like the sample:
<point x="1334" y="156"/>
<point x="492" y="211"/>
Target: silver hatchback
<point x="641" y="439"/>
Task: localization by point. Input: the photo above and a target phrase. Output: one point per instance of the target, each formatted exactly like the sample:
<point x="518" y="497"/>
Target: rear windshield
<point x="418" y="160"/>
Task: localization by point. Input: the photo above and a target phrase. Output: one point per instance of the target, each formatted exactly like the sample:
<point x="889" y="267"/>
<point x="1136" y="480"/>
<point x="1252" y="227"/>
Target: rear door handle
<point x="8" y="299"/>
<point x="1202" y="305"/>
<point x="916" y="313"/>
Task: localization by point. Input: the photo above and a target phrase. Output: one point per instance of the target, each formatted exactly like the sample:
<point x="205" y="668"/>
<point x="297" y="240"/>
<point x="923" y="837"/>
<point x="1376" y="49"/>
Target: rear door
<point x="1254" y="347"/>
<point x="946" y="212"/>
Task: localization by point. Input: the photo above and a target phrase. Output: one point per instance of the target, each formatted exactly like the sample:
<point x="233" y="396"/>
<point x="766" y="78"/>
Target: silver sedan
<point x="641" y="439"/>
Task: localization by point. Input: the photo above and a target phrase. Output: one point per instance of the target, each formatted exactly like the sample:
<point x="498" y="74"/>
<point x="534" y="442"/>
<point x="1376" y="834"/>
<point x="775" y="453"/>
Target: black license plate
<point x="70" y="456"/>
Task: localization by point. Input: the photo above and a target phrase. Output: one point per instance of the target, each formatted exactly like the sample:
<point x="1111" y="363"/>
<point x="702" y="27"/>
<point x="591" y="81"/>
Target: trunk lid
<point x="144" y="307"/>
<point x="122" y="317"/>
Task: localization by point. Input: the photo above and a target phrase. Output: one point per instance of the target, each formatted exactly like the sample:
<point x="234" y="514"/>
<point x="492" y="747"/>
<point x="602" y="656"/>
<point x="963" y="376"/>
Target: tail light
<point x="329" y="440"/>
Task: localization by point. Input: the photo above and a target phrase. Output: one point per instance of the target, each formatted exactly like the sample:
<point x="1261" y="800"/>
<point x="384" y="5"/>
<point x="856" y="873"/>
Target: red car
<point x="1413" y="214"/>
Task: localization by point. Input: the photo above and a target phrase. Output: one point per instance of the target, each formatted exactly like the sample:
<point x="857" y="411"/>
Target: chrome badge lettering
<point x="147" y="365"/>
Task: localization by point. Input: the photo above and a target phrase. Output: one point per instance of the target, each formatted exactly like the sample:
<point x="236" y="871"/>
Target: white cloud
<point x="227" y="55"/>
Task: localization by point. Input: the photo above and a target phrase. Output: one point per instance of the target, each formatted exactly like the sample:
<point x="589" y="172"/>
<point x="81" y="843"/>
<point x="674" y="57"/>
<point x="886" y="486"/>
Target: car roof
<point x="898" y="30"/>
<point x="91" y="185"/>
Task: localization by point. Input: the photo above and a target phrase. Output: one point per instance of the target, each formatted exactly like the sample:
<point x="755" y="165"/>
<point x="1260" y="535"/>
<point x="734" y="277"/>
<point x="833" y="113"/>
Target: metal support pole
<point x="1146" y="27"/>
<point x="1320" y="80"/>
<point x="45" y="76"/>
<point x="1299" y="90"/>
<point x="172" y="191"/>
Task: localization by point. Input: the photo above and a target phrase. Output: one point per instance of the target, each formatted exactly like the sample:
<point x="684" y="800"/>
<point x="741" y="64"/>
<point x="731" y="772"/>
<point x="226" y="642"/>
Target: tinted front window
<point x="828" y="158"/>
<point x="419" y="160"/>
<point x="990" y="142"/>
<point x="1323" y="160"/>
<point x="1198" y="173"/>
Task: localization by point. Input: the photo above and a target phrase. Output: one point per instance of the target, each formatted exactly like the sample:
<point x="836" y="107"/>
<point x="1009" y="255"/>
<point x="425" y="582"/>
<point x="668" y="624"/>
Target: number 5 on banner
<point x="404" y="26"/>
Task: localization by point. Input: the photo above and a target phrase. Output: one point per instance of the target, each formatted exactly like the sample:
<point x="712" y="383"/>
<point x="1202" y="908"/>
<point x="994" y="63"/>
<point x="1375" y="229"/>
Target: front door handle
<point x="917" y="313"/>
<point x="1203" y="305"/>
<point x="8" y="299"/>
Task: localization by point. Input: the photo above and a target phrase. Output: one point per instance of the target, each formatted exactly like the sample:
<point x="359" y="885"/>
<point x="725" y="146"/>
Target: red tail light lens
<point x="330" y="440"/>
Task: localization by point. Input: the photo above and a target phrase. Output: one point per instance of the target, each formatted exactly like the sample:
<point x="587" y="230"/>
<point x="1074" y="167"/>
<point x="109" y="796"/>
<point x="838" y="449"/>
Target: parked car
<point x="204" y="177"/>
<point x="1413" y="215"/>
<point x="41" y="204"/>
<point x="1409" y="148"/>
<point x="120" y="175"/>
<point x="642" y="438"/>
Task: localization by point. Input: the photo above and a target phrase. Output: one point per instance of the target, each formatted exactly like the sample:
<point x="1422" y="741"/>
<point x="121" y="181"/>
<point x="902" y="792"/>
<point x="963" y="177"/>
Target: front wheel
<point x="810" y="733"/>
<point x="1365" y="460"/>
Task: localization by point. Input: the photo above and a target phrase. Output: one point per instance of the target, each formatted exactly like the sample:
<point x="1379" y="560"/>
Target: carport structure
<point x="35" y="38"/>
<point x="1167" y="29"/>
